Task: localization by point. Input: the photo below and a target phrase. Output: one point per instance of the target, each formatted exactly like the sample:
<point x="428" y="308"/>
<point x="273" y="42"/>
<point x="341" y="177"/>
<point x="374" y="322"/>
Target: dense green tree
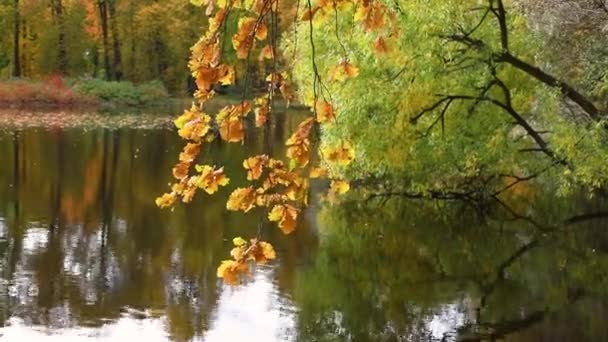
<point x="450" y="100"/>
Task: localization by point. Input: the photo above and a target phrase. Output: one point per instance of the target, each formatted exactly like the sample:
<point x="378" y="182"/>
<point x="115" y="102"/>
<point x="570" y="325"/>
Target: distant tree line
<point x="134" y="40"/>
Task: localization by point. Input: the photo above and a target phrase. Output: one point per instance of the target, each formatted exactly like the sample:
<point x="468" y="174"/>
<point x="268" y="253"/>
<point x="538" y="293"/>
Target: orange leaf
<point x="261" y="32"/>
<point x="380" y="46"/>
<point x="255" y="166"/>
<point x="190" y="151"/>
<point x="180" y="171"/>
<point x="343" y="71"/>
<point x="325" y="112"/>
<point x="266" y="53"/>
<point x="286" y="215"/>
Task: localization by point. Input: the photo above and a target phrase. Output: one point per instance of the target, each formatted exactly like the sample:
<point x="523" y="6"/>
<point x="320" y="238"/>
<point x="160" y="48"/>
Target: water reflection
<point x="412" y="271"/>
<point x="85" y="252"/>
<point x="86" y="255"/>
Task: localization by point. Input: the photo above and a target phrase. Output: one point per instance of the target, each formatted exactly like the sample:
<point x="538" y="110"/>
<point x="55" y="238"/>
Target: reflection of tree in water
<point x="409" y="270"/>
<point x="102" y="244"/>
<point x="85" y="245"/>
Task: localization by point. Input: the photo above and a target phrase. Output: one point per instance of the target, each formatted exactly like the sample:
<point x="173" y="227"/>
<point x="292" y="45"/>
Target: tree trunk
<point x="117" y="62"/>
<point x="103" y="15"/>
<point x="62" y="55"/>
<point x="16" y="53"/>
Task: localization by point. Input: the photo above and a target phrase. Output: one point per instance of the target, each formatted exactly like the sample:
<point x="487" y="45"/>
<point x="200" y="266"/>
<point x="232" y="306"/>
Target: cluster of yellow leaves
<point x="243" y="253"/>
<point x="248" y="28"/>
<point x="255" y="166"/>
<point x="278" y="187"/>
<point x="337" y="188"/>
<point x="208" y="178"/>
<point x="242" y="199"/>
<point x="262" y="110"/>
<point x="267" y="52"/>
<point x="282" y="190"/>
<point x="193" y="124"/>
<point x="324" y="9"/>
<point x="371" y="14"/>
<point x="205" y="60"/>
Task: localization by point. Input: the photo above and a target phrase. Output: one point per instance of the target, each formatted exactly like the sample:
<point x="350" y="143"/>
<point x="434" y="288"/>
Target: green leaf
<point x="198" y="3"/>
<point x="292" y="164"/>
<point x="239" y="241"/>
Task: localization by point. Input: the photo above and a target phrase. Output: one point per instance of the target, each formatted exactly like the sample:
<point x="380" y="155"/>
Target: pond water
<point x="85" y="255"/>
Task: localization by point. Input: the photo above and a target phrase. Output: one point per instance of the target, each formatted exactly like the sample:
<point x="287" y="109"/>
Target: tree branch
<point x="540" y="75"/>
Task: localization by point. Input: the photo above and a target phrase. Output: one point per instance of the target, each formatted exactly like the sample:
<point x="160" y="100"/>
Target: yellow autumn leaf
<point x="239" y="241"/>
<point x="318" y="172"/>
<point x="241" y="199"/>
<point x="262" y="252"/>
<point x="230" y="270"/>
<point x="193" y="125"/>
<point x="166" y="200"/>
<point x="232" y="129"/>
<point x="211" y="179"/>
<point x="342" y="154"/>
<point x="301" y="133"/>
<point x="339" y="187"/>
<point x="227" y="75"/>
<point x="262" y="110"/>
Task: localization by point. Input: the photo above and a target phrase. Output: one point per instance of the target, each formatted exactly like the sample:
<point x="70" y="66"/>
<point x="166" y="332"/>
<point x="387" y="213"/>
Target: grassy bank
<point x="58" y="92"/>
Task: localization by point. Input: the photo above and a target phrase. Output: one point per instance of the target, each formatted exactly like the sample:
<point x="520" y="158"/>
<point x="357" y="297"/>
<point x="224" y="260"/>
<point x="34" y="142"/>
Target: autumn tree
<point x="432" y="100"/>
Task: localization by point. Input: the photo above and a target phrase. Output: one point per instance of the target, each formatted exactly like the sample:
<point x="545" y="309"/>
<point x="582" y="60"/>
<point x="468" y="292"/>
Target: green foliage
<point x="122" y="92"/>
<point x="382" y="110"/>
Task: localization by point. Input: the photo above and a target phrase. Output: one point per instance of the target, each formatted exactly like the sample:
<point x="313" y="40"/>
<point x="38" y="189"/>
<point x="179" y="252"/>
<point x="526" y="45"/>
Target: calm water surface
<point x="86" y="256"/>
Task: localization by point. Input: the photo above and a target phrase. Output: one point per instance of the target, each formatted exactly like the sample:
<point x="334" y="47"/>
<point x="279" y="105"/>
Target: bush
<point x="122" y="92"/>
<point x="52" y="91"/>
<point x="153" y="91"/>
